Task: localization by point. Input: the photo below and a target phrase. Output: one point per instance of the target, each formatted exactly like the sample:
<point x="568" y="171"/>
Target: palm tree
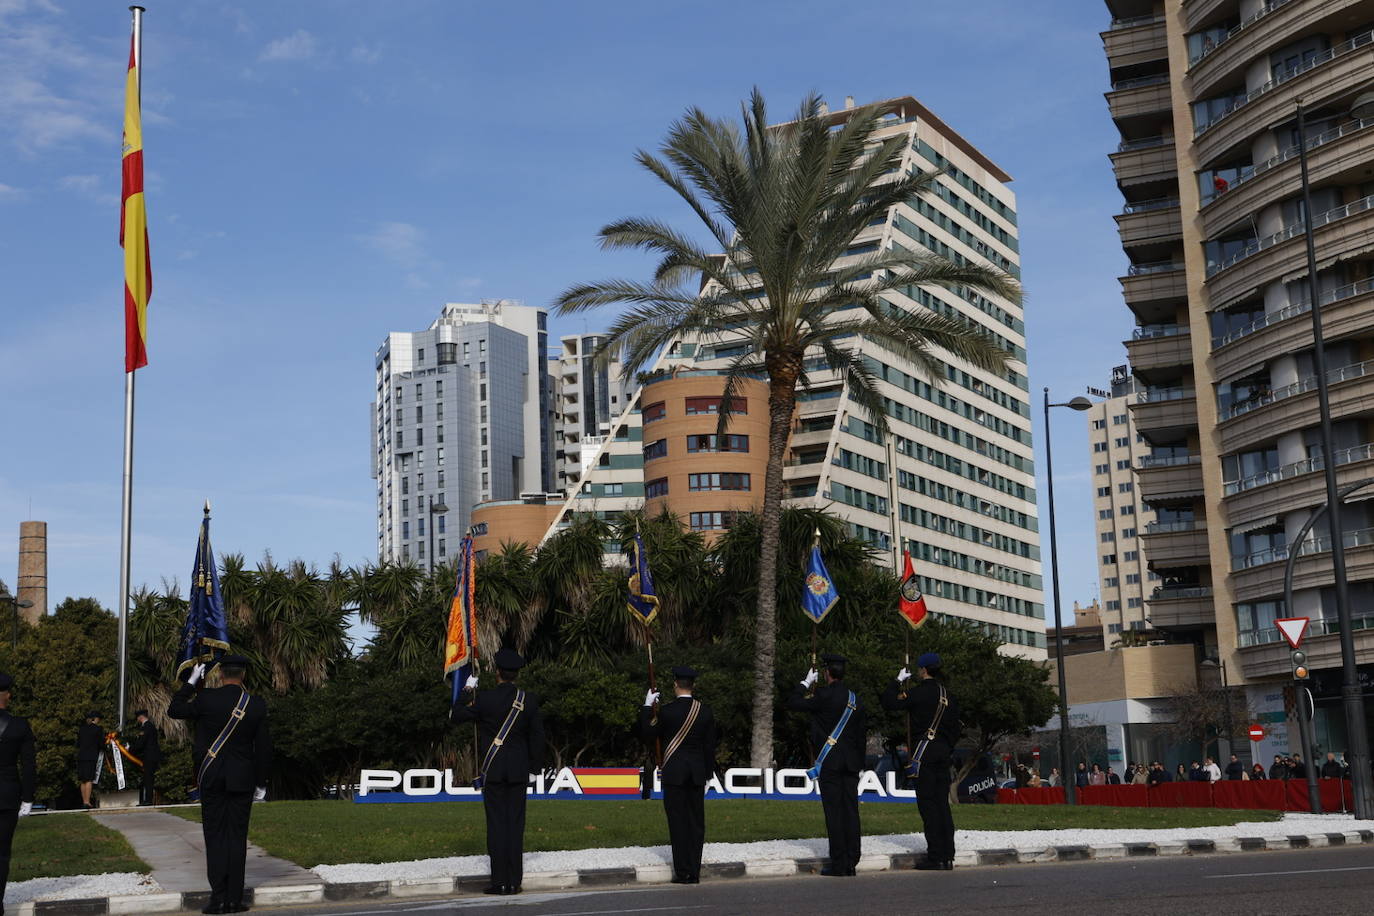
<point x="784" y="204"/>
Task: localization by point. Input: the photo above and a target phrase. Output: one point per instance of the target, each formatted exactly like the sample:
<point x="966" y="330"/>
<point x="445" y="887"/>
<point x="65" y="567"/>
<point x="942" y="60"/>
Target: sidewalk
<point x="175" y="849"/>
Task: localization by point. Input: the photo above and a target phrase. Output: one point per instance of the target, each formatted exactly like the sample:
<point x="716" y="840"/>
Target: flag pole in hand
<point x="642" y="603"/>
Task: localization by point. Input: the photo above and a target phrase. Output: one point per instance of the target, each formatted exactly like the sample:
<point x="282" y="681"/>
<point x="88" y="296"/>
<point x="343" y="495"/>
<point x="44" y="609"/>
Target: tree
<point x="1205" y="712"/>
<point x="784" y="204"/>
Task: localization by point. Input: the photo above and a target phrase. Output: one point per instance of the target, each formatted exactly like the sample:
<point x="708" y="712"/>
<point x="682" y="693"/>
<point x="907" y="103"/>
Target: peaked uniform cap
<point x="508" y="660"/>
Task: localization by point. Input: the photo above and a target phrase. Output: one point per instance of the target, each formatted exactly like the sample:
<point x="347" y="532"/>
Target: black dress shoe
<point x="511" y="890"/>
<point x="215" y="908"/>
<point x="237" y="908"/>
<point x="695" y="879"/>
<point x="494" y="889"/>
<point x="681" y="879"/>
<point x="933" y="865"/>
<point x="837" y="872"/>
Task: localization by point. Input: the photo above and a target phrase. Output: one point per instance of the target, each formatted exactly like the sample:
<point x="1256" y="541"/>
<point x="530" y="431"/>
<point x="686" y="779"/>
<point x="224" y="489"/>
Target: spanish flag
<point x="133" y="228"/>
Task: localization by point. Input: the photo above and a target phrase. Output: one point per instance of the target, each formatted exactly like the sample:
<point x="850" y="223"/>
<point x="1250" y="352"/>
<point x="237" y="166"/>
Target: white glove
<point x="651" y="698"/>
<point x="470" y="683"/>
<point x="904" y="674"/>
<point x="811" y="677"/>
<point x="260" y="793"/>
<point x="25" y="808"/>
<point x="197" y="673"/>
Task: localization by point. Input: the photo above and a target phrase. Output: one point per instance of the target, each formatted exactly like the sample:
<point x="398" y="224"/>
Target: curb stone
<point x="270" y="895"/>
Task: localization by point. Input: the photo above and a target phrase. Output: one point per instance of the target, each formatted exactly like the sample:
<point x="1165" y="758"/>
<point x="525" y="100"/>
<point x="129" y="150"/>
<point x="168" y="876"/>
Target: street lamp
<point x="433" y="510"/>
<point x="1066" y="776"/>
<point x="1352" y="694"/>
<point x="14" y="641"/>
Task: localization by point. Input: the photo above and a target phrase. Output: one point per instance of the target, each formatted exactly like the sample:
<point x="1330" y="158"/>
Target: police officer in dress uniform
<point x="90" y="739"/>
<point x="509" y="765"/>
<point x="232" y="752"/>
<point x="687" y="730"/>
<point x="148" y="749"/>
<point x="839" y="776"/>
<point x="17" y="777"/>
<point x="932" y="781"/>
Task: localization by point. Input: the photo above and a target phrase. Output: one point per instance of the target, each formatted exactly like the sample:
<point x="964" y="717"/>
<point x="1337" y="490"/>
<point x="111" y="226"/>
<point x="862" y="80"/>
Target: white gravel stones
<point x="119" y="884"/>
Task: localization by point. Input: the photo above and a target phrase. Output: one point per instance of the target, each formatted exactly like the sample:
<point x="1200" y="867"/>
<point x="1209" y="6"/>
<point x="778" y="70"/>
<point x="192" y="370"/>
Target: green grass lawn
<point x="333" y="832"/>
<point x="69" y="844"/>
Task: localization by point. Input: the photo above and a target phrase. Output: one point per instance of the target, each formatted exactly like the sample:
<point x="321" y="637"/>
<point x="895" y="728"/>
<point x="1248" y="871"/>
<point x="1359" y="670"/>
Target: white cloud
<point x="401" y="243"/>
<point x="79" y="182"/>
<point x="365" y="55"/>
<point x="7" y="191"/>
<point x="299" y="45"/>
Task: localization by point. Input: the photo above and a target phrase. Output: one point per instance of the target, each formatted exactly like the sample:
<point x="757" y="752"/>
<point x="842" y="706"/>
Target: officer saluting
<point x="511" y="733"/>
<point x="935" y="714"/>
<point x="837" y="728"/>
<point x="17" y="777"/>
<point x="688" y="732"/>
<point x="232" y="752"/>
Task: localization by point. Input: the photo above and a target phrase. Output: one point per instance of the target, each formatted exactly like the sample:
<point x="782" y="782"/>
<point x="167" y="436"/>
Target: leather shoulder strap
<point x="683" y="731"/>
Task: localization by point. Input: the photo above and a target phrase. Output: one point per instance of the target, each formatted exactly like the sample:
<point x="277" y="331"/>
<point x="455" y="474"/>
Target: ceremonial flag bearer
<point x="511" y="745"/>
<point x="935" y="713"/>
<point x="837" y="728"/>
<point x="232" y="752"/>
<point x="688" y="732"/>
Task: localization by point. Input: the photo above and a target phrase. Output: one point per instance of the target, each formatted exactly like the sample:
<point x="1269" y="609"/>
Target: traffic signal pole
<point x="1301" y="699"/>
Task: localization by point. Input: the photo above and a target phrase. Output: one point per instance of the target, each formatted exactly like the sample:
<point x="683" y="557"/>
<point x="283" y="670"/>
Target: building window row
<point x="930" y="212"/>
<point x="714" y="443"/>
<point x="945" y="525"/>
<point x="717" y="481"/>
<point x="853" y="461"/>
<point x="956" y="497"/>
<point x="711" y="521"/>
<point x="860" y="499"/>
<point x="941" y="307"/>
<point x="924" y="391"/>
<point x="653" y="489"/>
<point x="969" y="211"/>
<point x="953" y="172"/>
<point x="990" y="479"/>
<point x="943" y="556"/>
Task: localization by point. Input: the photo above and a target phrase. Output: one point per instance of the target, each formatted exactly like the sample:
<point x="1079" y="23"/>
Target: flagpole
<point x="127" y="493"/>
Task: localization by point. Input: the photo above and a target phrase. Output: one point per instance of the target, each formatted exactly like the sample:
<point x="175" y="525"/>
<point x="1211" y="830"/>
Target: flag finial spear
<point x="207" y="508"/>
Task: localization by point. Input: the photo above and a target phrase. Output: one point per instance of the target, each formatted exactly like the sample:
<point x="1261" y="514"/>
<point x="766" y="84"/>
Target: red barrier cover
<point x="1181" y="795"/>
<point x="1266" y="794"/>
<point x="1119" y="796"/>
<point x="1336" y="795"/>
<point x="1260" y="794"/>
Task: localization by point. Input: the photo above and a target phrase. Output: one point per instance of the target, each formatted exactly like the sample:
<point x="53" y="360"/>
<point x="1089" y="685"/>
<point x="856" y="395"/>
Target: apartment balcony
<point x="1340" y="234"/>
<point x="1292" y="487"/>
<point x="1165" y="414"/>
<point x="1170" y="544"/>
<point x="1198" y="13"/>
<point x="1342" y="68"/>
<point x="1180" y="608"/>
<point x="808" y="438"/>
<point x="1260" y="575"/>
<point x="1271" y="26"/>
<point x="803" y="469"/>
<point x="1132" y="42"/>
<point x="1250" y="422"/>
<point x="1142" y="97"/>
<point x="1159" y="347"/>
<point x="1330" y="154"/>
<point x="1150" y="222"/>
<point x="1150" y="284"/>
<point x="1346" y="311"/>
<point x="1142" y="161"/>
<point x="818" y="407"/>
<point x="1169" y="479"/>
<point x="1265" y="653"/>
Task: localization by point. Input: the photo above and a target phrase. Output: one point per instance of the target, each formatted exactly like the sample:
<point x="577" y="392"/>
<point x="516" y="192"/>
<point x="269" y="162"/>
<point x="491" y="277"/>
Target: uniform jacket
<point x="922" y="701"/>
<point x="826" y="706"/>
<point x="90" y="741"/>
<point x="523" y="750"/>
<point x="17" y="774"/>
<point x="146" y="746"/>
<point x="693" y="763"/>
<point x="244" y="761"/>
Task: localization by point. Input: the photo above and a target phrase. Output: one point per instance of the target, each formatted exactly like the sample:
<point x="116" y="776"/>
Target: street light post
<point x="14" y="640"/>
<point x="1066" y="775"/>
<point x="433" y="510"/>
<point x="1352" y="695"/>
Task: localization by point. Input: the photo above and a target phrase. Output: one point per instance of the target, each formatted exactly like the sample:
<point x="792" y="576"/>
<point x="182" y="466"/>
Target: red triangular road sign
<point x="1293" y="629"/>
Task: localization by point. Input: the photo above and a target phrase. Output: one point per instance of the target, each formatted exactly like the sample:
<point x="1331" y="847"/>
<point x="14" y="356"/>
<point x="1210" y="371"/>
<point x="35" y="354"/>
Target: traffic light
<point x="1300" y="672"/>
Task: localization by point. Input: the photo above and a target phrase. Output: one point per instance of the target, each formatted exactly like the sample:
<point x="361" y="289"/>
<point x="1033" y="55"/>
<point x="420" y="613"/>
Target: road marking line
<point x="1306" y="871"/>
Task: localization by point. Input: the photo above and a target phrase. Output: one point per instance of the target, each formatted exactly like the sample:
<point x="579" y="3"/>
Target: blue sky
<point x="322" y="173"/>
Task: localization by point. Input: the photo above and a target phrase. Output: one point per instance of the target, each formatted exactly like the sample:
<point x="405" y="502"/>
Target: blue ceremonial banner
<point x="643" y="601"/>
<point x="205" y="637"/>
<point x="818" y="595"/>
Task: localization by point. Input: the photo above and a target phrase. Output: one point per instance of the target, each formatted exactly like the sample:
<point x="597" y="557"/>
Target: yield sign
<point x="1293" y="629"/>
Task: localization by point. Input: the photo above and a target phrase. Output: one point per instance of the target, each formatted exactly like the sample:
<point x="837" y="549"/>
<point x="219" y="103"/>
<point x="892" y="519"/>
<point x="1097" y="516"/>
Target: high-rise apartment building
<point x="463" y="414"/>
<point x="1205" y="94"/>
<point x="1124" y="522"/>
<point x="588" y="399"/>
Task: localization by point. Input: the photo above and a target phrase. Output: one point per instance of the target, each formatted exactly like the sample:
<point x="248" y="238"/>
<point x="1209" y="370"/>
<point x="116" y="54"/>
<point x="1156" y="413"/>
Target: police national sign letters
<point x="426" y="785"/>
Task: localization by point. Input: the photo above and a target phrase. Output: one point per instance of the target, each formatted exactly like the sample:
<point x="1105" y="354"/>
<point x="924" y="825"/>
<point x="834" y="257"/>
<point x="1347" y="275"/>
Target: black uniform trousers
<point x="504" y="803"/>
<point x="145" y="791"/>
<point x="224" y="821"/>
<point x="8" y="821"/>
<point x="932" y="800"/>
<point x="685" y="807"/>
<point x="840" y="802"/>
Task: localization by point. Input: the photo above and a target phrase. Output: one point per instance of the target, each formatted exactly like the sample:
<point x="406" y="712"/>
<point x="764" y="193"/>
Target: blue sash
<point x="500" y="739"/>
<point x="815" y="771"/>
<point x="235" y="717"/>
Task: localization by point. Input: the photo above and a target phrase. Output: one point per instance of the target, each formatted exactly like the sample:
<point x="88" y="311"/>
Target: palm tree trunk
<point x="782" y="400"/>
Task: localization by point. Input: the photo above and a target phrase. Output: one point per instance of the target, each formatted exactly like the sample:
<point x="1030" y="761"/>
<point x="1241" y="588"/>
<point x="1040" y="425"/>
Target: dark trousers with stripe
<point x="685" y="807"/>
<point x="840" y="802"/>
<point x="505" y="808"/>
<point x="224" y="821"/>
<point x="8" y="821"/>
<point x="145" y="792"/>
<point x="932" y="800"/>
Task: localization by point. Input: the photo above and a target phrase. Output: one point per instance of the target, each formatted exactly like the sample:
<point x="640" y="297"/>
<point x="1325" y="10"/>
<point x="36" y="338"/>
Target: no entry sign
<point x="1256" y="733"/>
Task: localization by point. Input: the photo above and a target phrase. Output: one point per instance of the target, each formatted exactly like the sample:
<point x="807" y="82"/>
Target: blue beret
<point x="928" y="660"/>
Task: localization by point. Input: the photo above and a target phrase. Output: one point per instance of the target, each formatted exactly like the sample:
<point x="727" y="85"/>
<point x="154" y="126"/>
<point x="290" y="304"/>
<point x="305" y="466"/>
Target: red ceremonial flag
<point x="913" y="603"/>
<point x="133" y="228"/>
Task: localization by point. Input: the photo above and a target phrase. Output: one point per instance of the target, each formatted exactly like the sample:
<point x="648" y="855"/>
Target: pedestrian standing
<point x="1097" y="777"/>
<point x="232" y="752"/>
<point x="687" y="732"/>
<point x="1280" y="768"/>
<point x="1213" y="771"/>
<point x="511" y="737"/>
<point x="148" y="749"/>
<point x="90" y="739"/>
<point x="936" y="714"/>
<point x="1331" y="769"/>
<point x="838" y="729"/>
<point x="17" y="777"/>
<point x="1235" y="769"/>
<point x="1080" y="776"/>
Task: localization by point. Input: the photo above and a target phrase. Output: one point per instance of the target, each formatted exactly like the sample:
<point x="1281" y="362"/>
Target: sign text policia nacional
<point x="428" y="785"/>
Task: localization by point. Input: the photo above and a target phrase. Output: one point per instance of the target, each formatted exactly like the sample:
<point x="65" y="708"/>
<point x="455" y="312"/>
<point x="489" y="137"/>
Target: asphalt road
<point x="1328" y="881"/>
